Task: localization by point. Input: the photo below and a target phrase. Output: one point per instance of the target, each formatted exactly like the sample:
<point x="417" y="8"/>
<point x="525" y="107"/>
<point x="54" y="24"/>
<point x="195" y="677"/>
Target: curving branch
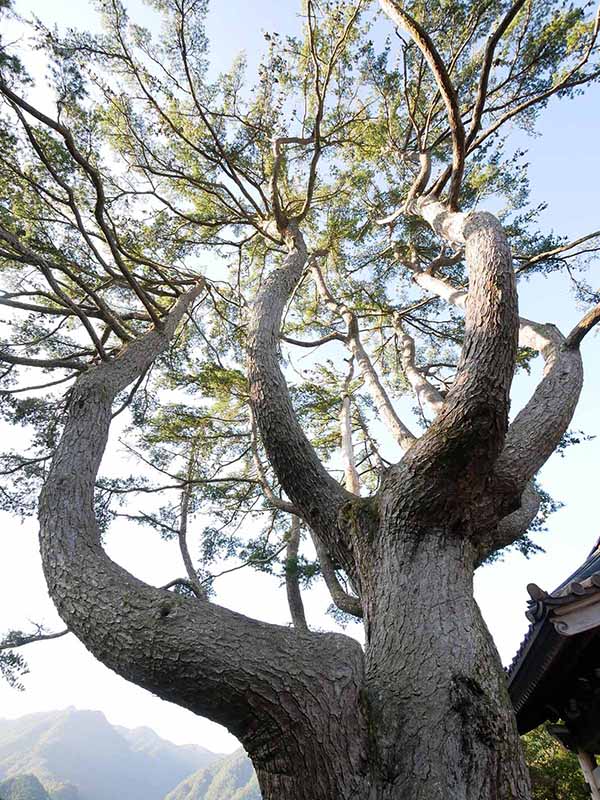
<point x="562" y="250"/>
<point x="536" y="431"/>
<point x="513" y="526"/>
<point x="316" y="494"/>
<point x="447" y="91"/>
<point x="583" y="327"/>
<point x="471" y="424"/>
<point x="427" y="394"/>
<point x="538" y="428"/>
<point x="344" y="601"/>
<point x="208" y="659"/>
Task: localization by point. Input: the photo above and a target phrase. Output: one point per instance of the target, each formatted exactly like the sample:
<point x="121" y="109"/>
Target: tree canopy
<point x="311" y="227"/>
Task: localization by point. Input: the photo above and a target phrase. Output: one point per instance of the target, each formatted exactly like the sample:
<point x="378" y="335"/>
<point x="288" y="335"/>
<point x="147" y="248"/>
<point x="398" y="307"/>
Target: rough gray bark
<point x="306" y="482"/>
<point x="441" y="719"/>
<point x="538" y="428"/>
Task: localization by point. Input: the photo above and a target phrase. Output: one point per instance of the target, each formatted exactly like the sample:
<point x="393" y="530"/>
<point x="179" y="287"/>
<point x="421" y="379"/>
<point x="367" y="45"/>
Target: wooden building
<point x="555" y="675"/>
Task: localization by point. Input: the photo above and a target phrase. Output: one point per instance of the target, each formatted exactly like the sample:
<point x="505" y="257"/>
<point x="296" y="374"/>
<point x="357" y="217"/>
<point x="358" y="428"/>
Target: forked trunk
<point x="439" y="720"/>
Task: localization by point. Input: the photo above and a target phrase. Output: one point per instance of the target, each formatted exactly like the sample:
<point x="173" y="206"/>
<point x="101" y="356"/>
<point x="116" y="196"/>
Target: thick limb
<point x="211" y="660"/>
<point x="305" y="480"/>
<point x="536" y="431"/>
<point x="441" y="718"/>
<point x="513" y="526"/>
<point x="470" y="427"/>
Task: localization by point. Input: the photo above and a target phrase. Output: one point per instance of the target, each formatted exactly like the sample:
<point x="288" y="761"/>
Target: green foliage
<point x="158" y="169"/>
<point x="12" y="667"/>
<point x="555" y="772"/>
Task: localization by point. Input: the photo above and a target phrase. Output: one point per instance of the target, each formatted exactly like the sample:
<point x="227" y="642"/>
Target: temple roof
<point x="560" y="654"/>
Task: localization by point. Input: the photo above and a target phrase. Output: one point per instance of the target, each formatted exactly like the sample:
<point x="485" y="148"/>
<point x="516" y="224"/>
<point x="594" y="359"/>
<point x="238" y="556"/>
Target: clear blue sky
<point x="565" y="173"/>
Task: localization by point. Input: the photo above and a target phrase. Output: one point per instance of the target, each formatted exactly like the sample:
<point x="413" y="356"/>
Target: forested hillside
<point x="78" y="755"/>
<point x="23" y="787"/>
<point x="230" y="779"/>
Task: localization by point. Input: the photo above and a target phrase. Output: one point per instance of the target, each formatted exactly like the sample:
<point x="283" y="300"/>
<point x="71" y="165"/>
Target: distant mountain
<point x="23" y="787"/>
<point x="233" y="778"/>
<point x="79" y="755"/>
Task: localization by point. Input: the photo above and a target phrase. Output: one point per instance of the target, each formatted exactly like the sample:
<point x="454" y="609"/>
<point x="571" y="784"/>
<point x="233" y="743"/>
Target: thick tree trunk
<point x="438" y="707"/>
<point x="440" y="723"/>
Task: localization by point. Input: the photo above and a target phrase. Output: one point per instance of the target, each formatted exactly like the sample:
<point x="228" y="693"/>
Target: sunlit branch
<point x="425" y="44"/>
<point x="352" y="481"/>
<point x="401" y="432"/>
<point x="560" y="250"/>
<point x="426" y="393"/>
<point x="583" y="327"/>
<point x="292" y="584"/>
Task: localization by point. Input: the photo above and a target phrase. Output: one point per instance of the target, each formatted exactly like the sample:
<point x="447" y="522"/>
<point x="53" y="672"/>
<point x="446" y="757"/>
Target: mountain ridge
<point x="78" y="755"/>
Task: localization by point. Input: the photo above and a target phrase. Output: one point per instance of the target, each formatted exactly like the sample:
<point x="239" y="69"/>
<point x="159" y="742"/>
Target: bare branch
<point x="199" y="592"/>
<point x="291" y="577"/>
<point x="344" y="601"/>
<point x="15" y="640"/>
<point x="563" y="248"/>
<point x="96" y="180"/>
<point x="583" y="327"/>
<point x="425" y="44"/>
<point x="352" y="481"/>
<point x="399" y="430"/>
<point x="425" y="391"/>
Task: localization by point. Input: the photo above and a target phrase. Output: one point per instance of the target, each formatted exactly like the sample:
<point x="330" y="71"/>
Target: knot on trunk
<point x="359" y="519"/>
<point x="477" y="713"/>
